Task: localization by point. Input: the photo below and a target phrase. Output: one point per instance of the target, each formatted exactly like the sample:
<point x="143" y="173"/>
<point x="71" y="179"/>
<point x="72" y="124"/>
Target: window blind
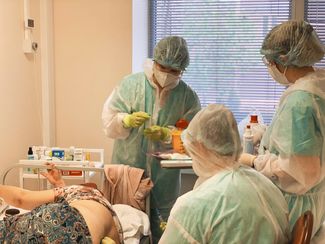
<point x="224" y="38"/>
<point x="315" y="15"/>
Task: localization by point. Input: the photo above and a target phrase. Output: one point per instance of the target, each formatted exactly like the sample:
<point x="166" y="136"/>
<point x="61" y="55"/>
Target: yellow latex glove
<point x="135" y="119"/>
<point x="163" y="225"/>
<point x="156" y="133"/>
<point x="107" y="240"/>
<point x="247" y="159"/>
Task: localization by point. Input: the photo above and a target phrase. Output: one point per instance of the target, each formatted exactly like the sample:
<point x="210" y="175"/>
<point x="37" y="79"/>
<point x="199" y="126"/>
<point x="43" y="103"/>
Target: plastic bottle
<point x="177" y="143"/>
<point x="78" y="154"/>
<point x="255" y="131"/>
<point x="248" y="145"/>
<point x="253" y="120"/>
<point x="30" y="155"/>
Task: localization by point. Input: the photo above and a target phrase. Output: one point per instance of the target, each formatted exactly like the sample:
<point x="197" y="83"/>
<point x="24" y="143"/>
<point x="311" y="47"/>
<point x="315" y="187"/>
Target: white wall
<point x="92" y="52"/>
<point x="20" y="99"/>
<point x="140" y="33"/>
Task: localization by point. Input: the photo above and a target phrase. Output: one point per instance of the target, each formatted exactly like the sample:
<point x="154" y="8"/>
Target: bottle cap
<point x="182" y="124"/>
<point x="254" y="119"/>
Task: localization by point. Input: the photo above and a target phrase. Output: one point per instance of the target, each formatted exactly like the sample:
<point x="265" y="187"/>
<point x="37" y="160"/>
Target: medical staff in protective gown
<point x="229" y="203"/>
<point x="292" y="150"/>
<point x="137" y="114"/>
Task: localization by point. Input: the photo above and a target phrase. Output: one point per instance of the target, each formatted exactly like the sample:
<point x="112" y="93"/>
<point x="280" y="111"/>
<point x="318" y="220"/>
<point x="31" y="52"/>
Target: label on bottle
<point x="248" y="145"/>
<point x="30" y="157"/>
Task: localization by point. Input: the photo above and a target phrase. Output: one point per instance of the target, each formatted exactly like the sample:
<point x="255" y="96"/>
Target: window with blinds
<point x="315" y="15"/>
<point x="224" y="38"/>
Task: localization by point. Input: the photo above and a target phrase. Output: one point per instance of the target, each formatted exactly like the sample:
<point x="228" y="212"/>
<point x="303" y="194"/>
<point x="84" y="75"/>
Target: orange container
<point x="177" y="142"/>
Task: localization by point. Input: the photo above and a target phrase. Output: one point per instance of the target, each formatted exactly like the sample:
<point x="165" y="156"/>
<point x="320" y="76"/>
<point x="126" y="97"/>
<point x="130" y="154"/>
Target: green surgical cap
<point x="293" y="43"/>
<point x="172" y="52"/>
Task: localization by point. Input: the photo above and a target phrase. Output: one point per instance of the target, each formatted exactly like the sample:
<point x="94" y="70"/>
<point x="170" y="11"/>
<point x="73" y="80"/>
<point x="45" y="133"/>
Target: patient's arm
<point x="54" y="176"/>
<point x="25" y="199"/>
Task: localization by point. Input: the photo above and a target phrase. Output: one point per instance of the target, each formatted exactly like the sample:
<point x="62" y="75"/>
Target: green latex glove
<point x="156" y="133"/>
<point x="135" y="119"/>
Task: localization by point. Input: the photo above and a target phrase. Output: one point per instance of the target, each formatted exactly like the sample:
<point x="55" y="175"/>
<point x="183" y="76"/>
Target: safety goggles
<point x="169" y="70"/>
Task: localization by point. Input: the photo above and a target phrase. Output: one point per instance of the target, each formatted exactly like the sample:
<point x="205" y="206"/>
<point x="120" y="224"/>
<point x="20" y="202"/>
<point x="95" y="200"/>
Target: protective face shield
<point x="278" y="76"/>
<point x="165" y="79"/>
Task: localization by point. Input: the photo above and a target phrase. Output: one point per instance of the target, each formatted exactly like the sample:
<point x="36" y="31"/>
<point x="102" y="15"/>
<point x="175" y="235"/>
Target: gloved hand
<point x="163" y="225"/>
<point x="135" y="119"/>
<point x="156" y="133"/>
<point x="247" y="159"/>
<point x="258" y="132"/>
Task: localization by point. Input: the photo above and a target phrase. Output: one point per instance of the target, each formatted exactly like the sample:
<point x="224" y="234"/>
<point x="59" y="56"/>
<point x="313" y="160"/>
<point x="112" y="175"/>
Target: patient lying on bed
<point x="65" y="214"/>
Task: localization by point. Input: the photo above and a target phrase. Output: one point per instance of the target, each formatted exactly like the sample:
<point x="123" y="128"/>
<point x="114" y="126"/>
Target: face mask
<point x="165" y="79"/>
<point x="278" y="76"/>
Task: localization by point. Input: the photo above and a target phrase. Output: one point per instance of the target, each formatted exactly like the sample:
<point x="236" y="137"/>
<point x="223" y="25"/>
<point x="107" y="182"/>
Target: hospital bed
<point x="135" y="223"/>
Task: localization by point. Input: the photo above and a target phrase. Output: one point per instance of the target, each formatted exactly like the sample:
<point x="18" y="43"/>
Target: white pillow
<point x="135" y="223"/>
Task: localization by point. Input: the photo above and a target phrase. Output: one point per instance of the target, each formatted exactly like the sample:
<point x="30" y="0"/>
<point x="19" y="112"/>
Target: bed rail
<point x="58" y="166"/>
